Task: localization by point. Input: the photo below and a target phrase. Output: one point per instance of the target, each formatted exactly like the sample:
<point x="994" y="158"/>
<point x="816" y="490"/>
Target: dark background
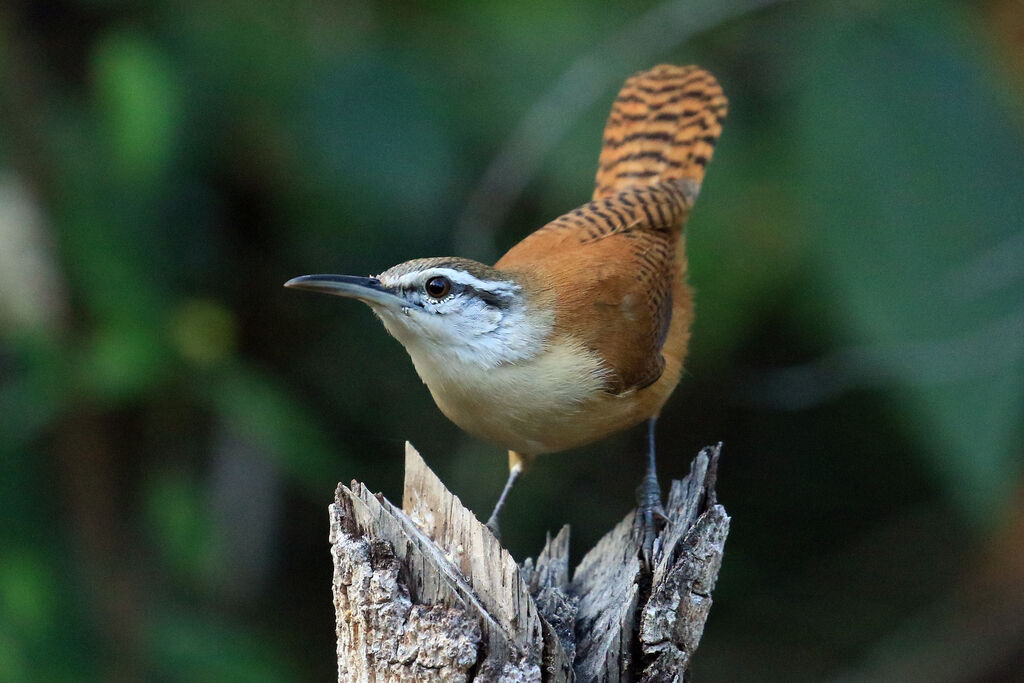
<point x="173" y="422"/>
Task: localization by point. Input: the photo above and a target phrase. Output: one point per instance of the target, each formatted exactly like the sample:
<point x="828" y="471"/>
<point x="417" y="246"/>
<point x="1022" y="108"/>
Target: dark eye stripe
<point x="494" y="300"/>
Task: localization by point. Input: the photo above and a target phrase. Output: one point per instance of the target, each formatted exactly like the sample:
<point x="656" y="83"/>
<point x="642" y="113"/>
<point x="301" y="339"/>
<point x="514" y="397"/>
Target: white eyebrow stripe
<point x="459" y="277"/>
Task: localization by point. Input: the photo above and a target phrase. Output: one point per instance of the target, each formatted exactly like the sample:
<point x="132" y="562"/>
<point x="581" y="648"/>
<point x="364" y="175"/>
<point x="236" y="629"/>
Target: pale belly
<point x="534" y="427"/>
<point x="550" y="404"/>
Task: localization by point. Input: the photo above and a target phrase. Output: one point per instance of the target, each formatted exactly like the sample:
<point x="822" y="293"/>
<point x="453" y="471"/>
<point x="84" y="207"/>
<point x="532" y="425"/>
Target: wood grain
<point x="427" y="593"/>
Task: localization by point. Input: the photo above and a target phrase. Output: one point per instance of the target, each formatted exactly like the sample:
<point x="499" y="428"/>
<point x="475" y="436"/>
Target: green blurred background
<point x="173" y="422"/>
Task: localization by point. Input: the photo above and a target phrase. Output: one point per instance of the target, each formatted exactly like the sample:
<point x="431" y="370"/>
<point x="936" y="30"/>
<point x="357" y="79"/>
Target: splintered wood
<point x="426" y="593"/>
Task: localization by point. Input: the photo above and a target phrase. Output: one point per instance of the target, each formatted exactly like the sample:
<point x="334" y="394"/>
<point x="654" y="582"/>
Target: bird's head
<point x="447" y="310"/>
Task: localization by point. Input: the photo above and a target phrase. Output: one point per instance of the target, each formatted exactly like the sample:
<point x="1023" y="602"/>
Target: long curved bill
<point x="369" y="290"/>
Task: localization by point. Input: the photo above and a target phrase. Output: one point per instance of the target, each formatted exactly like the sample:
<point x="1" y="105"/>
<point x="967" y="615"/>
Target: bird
<point x="581" y="329"/>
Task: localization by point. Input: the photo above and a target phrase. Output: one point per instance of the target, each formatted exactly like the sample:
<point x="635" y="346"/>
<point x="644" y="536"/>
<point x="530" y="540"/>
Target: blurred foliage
<point x="172" y="422"/>
<point x="907" y="242"/>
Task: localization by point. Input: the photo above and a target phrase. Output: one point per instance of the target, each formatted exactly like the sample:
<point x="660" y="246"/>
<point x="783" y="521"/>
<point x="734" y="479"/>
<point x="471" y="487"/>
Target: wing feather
<point x="614" y="267"/>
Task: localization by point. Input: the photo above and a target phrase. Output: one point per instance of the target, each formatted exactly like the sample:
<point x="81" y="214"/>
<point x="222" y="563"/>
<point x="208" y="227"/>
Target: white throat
<point x="479" y="324"/>
<point x="477" y="338"/>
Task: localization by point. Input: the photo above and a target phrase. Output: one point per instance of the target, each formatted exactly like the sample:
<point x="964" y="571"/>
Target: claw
<point x="647" y="525"/>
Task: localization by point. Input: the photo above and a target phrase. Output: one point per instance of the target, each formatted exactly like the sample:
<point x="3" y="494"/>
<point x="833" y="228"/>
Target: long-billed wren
<point x="581" y="329"/>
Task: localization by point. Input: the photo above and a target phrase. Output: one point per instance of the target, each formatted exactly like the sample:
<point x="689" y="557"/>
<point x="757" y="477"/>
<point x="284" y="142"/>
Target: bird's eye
<point x="438" y="287"/>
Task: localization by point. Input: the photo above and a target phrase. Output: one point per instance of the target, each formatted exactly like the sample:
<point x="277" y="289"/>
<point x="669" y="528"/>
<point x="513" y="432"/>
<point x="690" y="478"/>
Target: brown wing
<point x="610" y="267"/>
<point x="613" y="266"/>
<point x="663" y="126"/>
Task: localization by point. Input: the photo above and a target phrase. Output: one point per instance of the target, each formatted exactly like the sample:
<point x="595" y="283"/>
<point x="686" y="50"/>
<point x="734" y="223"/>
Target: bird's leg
<point x="650" y="513"/>
<point x="492" y="521"/>
<point x="517" y="463"/>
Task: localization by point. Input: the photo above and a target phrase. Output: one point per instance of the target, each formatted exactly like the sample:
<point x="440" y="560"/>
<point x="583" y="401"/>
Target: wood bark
<point x="426" y="592"/>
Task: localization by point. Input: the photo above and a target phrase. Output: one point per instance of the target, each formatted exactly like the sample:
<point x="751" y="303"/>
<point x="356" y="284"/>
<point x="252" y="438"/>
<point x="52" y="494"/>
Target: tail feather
<point x="663" y="127"/>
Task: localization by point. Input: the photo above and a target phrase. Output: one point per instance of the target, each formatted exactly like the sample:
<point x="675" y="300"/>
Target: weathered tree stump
<point x="427" y="593"/>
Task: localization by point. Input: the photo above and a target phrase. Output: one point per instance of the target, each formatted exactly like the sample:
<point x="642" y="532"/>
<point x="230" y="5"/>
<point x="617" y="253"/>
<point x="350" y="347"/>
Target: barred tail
<point x="663" y="127"/>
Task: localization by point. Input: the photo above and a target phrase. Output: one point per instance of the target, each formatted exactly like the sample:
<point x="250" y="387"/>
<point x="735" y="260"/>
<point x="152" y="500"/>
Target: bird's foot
<point x="492" y="524"/>
<point x="647" y="525"/>
<point x="650" y="518"/>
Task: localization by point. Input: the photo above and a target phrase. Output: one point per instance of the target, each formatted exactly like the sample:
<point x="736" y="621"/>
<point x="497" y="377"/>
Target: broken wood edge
<point x="427" y="592"/>
<point x="673" y="618"/>
<point x="431" y="578"/>
<point x="548" y="581"/>
<point x="380" y="632"/>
